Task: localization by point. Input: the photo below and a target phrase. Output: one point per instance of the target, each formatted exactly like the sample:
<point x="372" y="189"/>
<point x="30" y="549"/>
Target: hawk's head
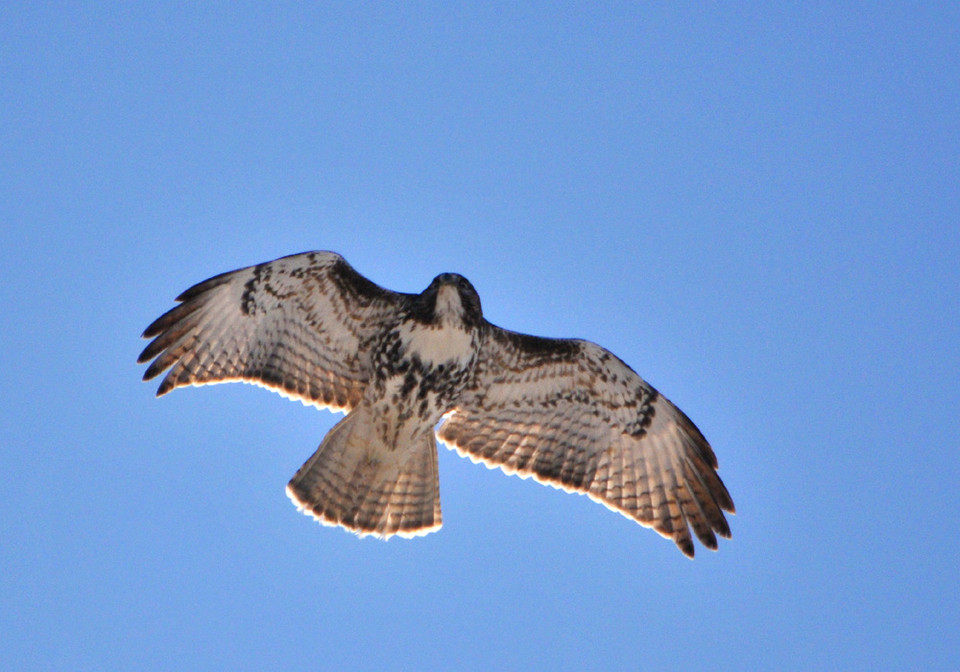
<point x="449" y="298"/>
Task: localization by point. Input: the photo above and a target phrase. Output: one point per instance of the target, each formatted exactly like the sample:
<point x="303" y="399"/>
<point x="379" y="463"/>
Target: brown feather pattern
<point x="565" y="412"/>
<point x="306" y="333"/>
<point x="570" y="414"/>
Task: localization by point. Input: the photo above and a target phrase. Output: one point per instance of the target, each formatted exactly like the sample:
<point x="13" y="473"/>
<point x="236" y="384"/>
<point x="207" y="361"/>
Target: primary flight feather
<point x="566" y="412"/>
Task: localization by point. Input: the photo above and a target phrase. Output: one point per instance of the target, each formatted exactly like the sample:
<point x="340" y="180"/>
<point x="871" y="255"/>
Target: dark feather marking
<point x="349" y="280"/>
<point x="248" y="301"/>
<point x="170" y="317"/>
<point x="204" y="286"/>
<point x="538" y="350"/>
<point x="645" y="412"/>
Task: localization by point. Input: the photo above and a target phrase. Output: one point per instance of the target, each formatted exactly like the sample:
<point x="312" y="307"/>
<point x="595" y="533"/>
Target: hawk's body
<point x="566" y="412"/>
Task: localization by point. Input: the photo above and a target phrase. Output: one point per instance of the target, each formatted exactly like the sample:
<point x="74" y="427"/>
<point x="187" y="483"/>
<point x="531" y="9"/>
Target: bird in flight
<point x="566" y="412"/>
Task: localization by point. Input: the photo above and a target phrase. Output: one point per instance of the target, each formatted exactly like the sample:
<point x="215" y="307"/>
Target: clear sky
<point x="754" y="205"/>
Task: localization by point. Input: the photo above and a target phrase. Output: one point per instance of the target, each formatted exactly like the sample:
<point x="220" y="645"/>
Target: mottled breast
<point x="421" y="368"/>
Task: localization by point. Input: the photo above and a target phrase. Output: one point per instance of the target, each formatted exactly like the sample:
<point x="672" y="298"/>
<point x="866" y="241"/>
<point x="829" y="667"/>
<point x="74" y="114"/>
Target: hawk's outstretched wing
<point x="301" y="325"/>
<point x="572" y="415"/>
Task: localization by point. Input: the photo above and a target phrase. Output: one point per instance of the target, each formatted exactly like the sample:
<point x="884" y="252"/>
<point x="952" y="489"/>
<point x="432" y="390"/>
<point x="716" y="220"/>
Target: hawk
<point x="566" y="412"/>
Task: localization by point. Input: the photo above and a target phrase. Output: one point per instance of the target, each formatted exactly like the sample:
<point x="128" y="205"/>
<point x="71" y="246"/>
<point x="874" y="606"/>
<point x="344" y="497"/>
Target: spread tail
<point x="354" y="481"/>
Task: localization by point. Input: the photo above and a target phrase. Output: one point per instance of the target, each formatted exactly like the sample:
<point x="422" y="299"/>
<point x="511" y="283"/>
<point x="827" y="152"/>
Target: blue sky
<point x="755" y="206"/>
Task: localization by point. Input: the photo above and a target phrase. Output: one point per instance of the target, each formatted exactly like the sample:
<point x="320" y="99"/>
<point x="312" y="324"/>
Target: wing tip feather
<point x="204" y="286"/>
